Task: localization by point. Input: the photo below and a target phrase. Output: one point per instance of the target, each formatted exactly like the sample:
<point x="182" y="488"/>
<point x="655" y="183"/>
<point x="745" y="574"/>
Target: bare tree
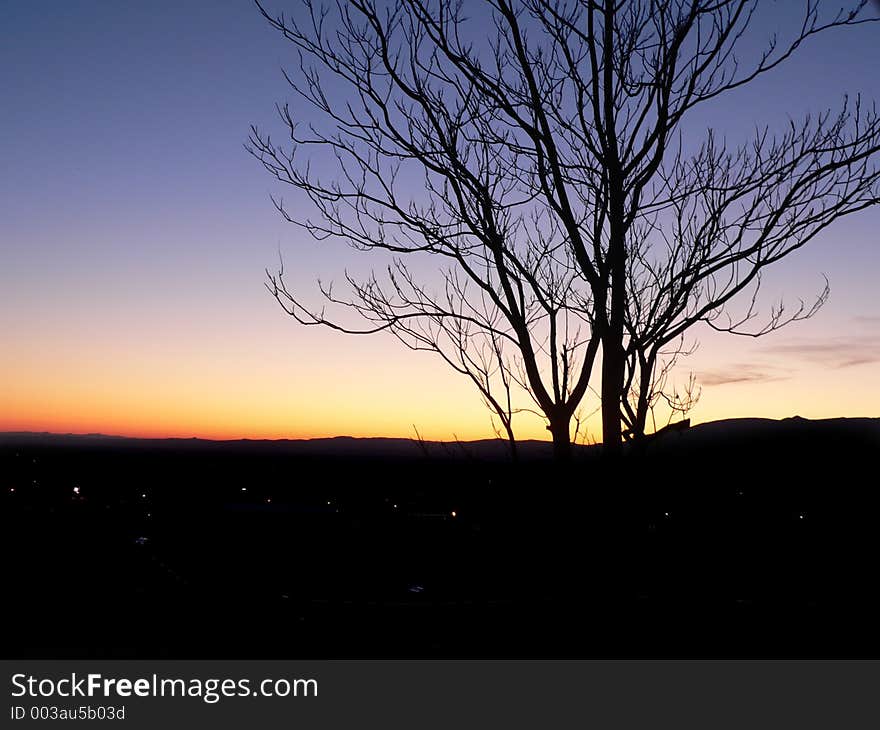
<point x="557" y="184"/>
<point x="427" y="163"/>
<point x="683" y="234"/>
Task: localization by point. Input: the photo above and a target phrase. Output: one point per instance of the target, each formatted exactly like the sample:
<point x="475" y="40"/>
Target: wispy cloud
<point x="740" y="373"/>
<point x="834" y="353"/>
<point x="868" y="320"/>
<point x="837" y="352"/>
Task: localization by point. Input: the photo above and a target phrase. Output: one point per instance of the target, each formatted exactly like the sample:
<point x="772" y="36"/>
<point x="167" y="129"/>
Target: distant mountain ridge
<point x="727" y="431"/>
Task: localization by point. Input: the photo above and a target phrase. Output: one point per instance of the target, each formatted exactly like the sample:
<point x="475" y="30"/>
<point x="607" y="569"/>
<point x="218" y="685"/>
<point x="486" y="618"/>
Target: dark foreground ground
<point x="741" y="538"/>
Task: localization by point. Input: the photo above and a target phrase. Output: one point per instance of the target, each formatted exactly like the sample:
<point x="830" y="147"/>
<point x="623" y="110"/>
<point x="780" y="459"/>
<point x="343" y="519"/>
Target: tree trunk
<point x="561" y="440"/>
<point x="511" y="441"/>
<point x="613" y="365"/>
<point x="646" y="369"/>
<point x="613" y="355"/>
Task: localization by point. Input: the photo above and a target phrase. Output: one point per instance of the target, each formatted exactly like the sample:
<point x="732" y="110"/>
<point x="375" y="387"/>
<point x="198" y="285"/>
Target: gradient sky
<point x="135" y="230"/>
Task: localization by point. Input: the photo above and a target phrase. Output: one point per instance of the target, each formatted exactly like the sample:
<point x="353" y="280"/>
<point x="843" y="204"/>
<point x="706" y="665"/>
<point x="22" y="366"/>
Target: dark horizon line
<point x="342" y="437"/>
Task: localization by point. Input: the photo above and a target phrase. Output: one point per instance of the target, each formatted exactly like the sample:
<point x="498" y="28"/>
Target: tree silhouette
<point x="536" y="147"/>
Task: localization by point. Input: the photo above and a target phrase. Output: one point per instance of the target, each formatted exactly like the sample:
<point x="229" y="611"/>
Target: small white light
<point x="453" y="513"/>
<point x="76" y="490"/>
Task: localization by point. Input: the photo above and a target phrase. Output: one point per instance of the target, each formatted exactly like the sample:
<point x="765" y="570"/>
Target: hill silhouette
<point x="724" y="433"/>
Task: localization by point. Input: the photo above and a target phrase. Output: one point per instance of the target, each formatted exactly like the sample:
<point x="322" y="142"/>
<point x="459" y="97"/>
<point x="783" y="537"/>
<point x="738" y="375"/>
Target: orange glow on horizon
<point x="314" y="384"/>
<point x="463" y="419"/>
